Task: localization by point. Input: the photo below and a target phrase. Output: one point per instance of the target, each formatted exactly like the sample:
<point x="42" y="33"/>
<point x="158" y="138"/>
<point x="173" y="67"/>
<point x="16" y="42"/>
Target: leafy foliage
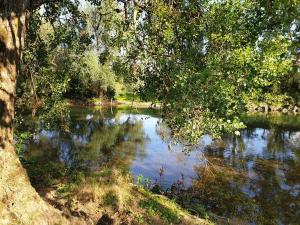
<point x="204" y="60"/>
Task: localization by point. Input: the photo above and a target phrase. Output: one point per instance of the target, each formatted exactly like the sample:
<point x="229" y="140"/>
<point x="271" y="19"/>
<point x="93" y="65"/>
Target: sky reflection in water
<point x="261" y="166"/>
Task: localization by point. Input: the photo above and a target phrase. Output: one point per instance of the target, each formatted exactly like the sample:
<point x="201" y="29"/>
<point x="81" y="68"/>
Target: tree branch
<point x="34" y="4"/>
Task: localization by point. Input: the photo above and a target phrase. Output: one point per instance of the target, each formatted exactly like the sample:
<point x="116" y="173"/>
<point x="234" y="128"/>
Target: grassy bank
<point x="106" y="196"/>
<point x="122" y="100"/>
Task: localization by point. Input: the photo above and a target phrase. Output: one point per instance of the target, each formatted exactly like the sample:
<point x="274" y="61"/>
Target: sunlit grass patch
<point x="108" y="191"/>
<point x="165" y="209"/>
<point x="154" y="207"/>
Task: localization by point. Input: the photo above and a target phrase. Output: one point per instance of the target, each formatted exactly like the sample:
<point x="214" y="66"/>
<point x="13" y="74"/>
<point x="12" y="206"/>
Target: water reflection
<point x="92" y="141"/>
<point x="255" y="176"/>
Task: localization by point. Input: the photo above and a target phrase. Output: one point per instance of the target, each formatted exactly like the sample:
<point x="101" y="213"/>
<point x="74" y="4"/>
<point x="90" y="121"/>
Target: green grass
<point x="160" y="206"/>
<point x="110" y="191"/>
<point x="128" y="98"/>
<point x="110" y="199"/>
<point x="154" y="207"/>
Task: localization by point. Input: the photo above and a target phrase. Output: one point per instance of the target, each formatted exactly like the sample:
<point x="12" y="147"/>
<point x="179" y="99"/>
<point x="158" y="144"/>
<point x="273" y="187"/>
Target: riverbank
<point x="96" y="186"/>
<point x="106" y="197"/>
<point x="114" y="165"/>
<point x="113" y="103"/>
<point x="254" y="107"/>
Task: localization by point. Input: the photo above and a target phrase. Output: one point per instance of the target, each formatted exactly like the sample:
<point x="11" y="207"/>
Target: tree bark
<point x="19" y="202"/>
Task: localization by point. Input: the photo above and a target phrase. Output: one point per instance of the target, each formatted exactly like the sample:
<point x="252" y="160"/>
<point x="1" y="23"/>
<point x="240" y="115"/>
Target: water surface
<point x="255" y="176"/>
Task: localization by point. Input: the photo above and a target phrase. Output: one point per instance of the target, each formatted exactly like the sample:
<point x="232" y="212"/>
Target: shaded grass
<point x="108" y="191"/>
<point x="110" y="199"/>
<point x="113" y="193"/>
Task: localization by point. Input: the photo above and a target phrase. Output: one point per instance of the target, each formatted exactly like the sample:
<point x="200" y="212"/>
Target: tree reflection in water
<point x="254" y="176"/>
<point x="94" y="140"/>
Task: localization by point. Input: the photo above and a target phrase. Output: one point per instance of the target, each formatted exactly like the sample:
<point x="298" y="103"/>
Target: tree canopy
<point x="203" y="60"/>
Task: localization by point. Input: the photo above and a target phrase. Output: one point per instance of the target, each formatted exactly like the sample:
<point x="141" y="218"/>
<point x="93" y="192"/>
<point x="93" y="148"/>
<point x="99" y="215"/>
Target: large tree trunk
<point x="19" y="202"/>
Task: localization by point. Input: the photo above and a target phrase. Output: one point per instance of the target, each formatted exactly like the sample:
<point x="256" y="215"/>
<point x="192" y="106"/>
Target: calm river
<point x="255" y="176"/>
